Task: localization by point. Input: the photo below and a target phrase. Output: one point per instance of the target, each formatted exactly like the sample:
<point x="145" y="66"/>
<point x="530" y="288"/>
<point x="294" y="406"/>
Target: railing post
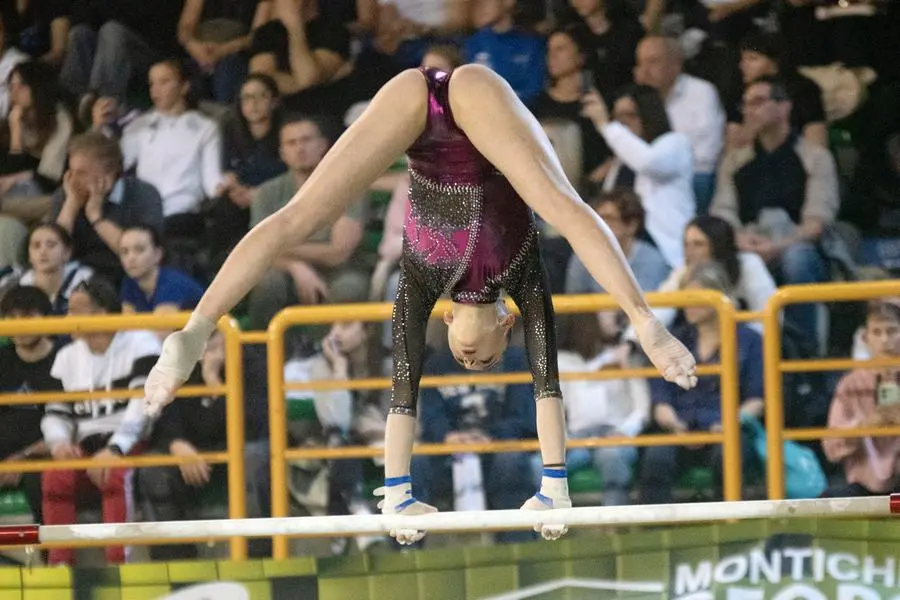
<point x="730" y="400"/>
<point x="235" y="427"/>
<point x="278" y="429"/>
<point x="774" y="401"/>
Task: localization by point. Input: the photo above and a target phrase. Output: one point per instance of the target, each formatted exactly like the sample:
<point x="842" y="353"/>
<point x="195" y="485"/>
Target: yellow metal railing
<point x="233" y="456"/>
<point x="774" y="368"/>
<point x="280" y="453"/>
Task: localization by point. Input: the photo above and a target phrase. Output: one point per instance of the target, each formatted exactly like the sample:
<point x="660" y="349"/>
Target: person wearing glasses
<point x="780" y="194"/>
<point x="650" y="158"/>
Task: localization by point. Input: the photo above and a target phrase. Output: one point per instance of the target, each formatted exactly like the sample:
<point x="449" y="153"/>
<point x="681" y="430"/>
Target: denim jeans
<point x="799" y="264"/>
<point x="704" y="190"/>
<point x="105" y="61"/>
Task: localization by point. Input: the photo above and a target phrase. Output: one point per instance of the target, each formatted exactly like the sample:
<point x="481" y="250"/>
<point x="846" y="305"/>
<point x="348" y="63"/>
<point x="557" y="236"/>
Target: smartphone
<point x="887" y="392"/>
<point x="587" y="81"/>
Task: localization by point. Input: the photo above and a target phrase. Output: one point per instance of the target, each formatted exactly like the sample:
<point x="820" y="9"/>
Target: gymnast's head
<point x="478" y="333"/>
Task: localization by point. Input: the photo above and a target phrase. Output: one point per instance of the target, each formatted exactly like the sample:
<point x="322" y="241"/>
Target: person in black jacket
<point x="193" y="426"/>
<point x="25" y="369"/>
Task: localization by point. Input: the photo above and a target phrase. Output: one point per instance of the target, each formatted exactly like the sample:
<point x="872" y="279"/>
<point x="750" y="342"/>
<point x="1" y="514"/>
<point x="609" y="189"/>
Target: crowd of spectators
<point x="729" y="145"/>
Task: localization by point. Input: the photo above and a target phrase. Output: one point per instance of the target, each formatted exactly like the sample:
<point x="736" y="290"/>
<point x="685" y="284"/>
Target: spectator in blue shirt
<point x="515" y="55"/>
<point x="474" y="414"/>
<point x="149" y="287"/>
<point x="700" y="409"/>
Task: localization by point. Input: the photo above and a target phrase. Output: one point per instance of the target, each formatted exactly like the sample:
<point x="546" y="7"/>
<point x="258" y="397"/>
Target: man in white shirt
<point x="693" y="106"/>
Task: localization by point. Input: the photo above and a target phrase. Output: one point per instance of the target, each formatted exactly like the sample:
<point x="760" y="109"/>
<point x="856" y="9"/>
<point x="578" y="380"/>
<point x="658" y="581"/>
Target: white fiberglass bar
<point x="331" y="526"/>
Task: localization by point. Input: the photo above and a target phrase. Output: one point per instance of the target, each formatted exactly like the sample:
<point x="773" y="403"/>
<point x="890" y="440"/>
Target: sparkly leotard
<point x="467" y="233"/>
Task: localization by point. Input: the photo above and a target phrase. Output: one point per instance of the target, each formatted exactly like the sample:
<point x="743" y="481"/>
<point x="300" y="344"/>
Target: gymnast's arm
<point x="504" y="131"/>
<point x="531" y="293"/>
<point x="417" y="294"/>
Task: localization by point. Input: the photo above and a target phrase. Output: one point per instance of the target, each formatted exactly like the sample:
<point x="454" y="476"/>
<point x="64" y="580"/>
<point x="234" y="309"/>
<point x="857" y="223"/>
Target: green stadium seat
<point x="585" y="481"/>
<point x="697" y="479"/>
<point x="301" y="409"/>
<point x="13" y="503"/>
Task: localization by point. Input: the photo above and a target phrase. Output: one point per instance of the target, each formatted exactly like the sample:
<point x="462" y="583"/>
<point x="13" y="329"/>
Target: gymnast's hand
<point x="404" y="537"/>
<point x="667" y="354"/>
<point x="180" y="352"/>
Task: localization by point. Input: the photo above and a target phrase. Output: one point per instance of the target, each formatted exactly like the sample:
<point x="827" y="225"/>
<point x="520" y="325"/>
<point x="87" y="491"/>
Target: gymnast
<point x="479" y="164"/>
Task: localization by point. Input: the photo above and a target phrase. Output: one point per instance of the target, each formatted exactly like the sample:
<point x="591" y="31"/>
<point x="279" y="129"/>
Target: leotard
<point x="467" y="233"/>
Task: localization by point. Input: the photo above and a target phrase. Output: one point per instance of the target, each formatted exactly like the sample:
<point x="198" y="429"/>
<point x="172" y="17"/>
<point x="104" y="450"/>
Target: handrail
<point x="774" y="368"/>
<point x="434" y="381"/>
<point x="233" y="390"/>
<point x="500" y="446"/>
<point x="729" y="437"/>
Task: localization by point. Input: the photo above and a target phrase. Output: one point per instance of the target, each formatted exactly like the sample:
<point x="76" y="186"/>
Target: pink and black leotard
<point x="467" y="233"/>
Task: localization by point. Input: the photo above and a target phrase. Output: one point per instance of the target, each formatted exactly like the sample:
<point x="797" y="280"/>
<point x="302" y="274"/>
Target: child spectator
<point x="868" y="398"/>
<point x="49" y="253"/>
<point x="601" y="408"/>
<point x="26" y="368"/>
<point x="102" y="429"/>
<point x="149" y="287"/>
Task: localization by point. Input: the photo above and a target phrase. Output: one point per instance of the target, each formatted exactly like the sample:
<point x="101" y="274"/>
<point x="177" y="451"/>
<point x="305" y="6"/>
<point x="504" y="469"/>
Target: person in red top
<point x="868" y="398"/>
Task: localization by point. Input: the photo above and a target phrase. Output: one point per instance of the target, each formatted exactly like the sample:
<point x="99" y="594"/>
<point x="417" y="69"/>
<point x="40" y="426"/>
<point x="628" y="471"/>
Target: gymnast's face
<point x="478" y="334"/>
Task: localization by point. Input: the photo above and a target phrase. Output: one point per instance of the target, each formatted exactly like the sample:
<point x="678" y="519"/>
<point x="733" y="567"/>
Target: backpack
<point x="806" y="395"/>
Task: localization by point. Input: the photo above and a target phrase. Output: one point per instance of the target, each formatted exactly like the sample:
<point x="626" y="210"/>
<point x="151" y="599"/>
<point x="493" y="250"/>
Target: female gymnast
<point x="475" y="153"/>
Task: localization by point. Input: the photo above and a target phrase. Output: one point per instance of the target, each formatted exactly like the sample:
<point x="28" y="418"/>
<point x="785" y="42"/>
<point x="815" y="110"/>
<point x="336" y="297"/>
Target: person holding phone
<point x="869" y="398"/>
<point x="568" y="82"/>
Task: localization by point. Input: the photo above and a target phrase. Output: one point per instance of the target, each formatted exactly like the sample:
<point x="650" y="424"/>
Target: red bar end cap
<point x="20" y="535"/>
<point x="895" y="504"/>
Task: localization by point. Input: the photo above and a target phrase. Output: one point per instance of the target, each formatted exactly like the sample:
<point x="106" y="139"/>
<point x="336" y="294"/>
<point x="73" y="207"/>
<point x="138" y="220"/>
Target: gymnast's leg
<point x="505" y="132"/>
<point x="391" y="123"/>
